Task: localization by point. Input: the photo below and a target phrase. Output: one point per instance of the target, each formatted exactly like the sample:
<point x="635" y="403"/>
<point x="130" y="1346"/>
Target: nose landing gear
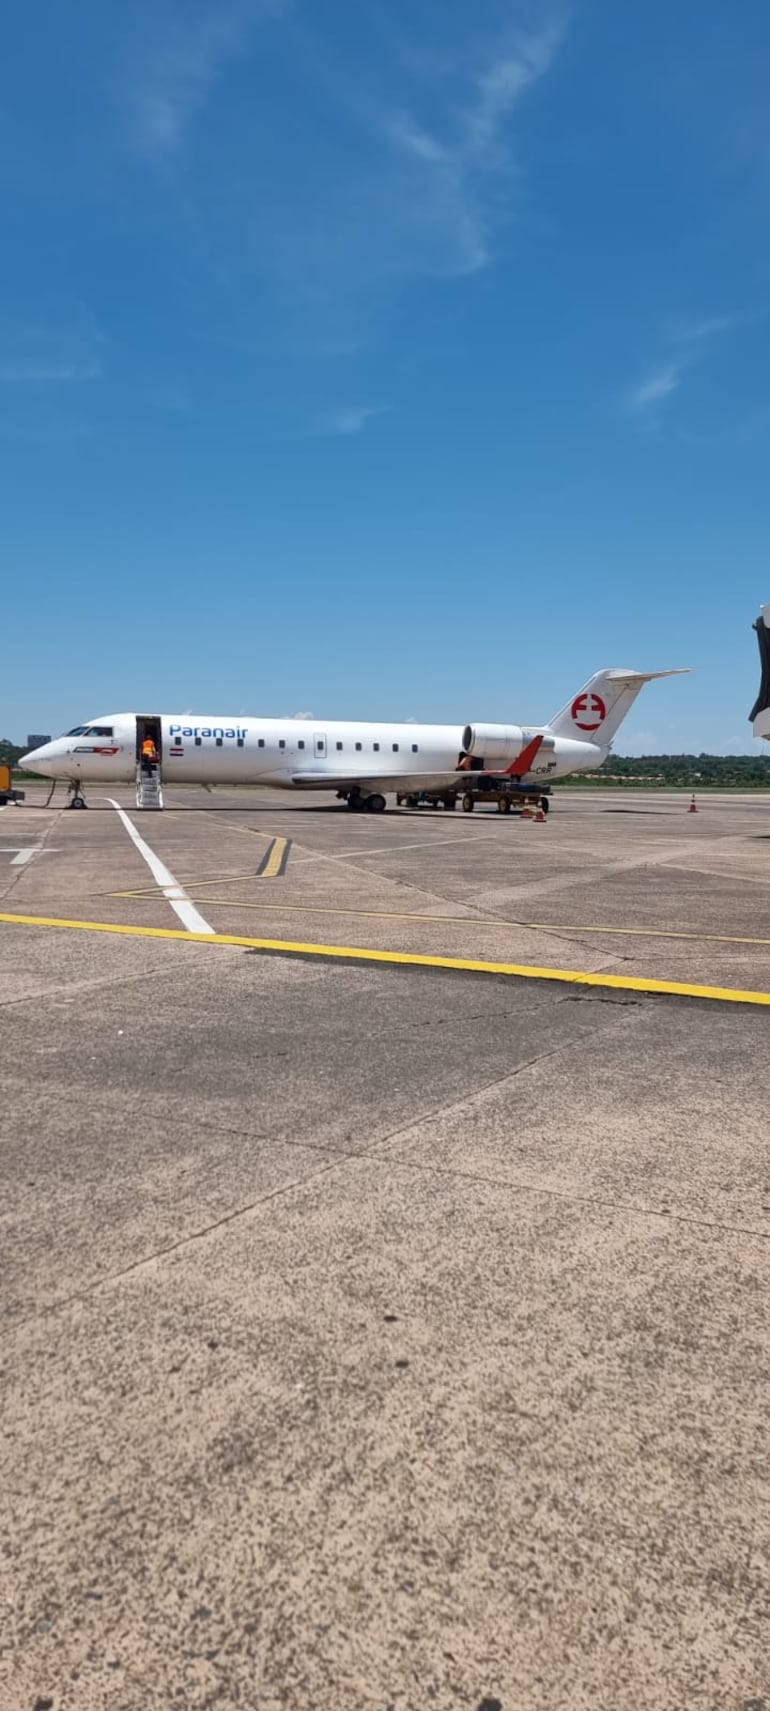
<point x="75" y="797"/>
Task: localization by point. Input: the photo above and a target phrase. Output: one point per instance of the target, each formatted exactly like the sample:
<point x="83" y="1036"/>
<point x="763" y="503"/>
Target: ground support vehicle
<point x="488" y="789"/>
<point x="509" y="795"/>
<point x="427" y="798"/>
<point x="7" y="792"/>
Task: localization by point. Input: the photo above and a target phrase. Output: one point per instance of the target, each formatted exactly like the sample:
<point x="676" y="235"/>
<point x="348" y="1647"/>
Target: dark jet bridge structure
<point x="760" y="712"/>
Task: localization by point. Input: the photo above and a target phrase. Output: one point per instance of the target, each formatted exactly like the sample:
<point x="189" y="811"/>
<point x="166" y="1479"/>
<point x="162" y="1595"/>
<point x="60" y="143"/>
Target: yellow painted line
<point x="482" y="921"/>
<point x="152" y="891"/>
<point x="274" y="862"/>
<point x="442" y="920"/>
<point x="272" y="865"/>
<point x="645" y="933"/>
<point x="404" y="959"/>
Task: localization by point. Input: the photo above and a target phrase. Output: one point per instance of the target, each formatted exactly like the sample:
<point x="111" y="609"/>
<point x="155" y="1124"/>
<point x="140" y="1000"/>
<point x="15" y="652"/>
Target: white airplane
<point x="361" y="760"/>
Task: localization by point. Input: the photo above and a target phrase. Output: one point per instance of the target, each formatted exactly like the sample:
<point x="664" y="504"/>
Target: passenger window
<point x="281" y="743"/>
<point x="376" y="747"/>
<point x="339" y="745"/>
<point x="199" y="742"/>
<point x="358" y="748"/>
<point x="395" y="748"/>
<point x="301" y="743"/>
<point x="240" y="742"/>
<point x="218" y="741"/>
<point x="260" y="742"/>
<point x="414" y="748"/>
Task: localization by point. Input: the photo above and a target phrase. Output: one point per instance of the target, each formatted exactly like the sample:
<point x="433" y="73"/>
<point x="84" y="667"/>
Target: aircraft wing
<point x="409" y="782"/>
<point x="382" y="781"/>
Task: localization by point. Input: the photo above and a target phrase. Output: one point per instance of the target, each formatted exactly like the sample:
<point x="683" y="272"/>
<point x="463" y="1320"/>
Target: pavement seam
<point x="46" y="834"/>
<point x="518" y="1187"/>
<point x="338" y="1158"/>
<point x="83" y="986"/>
<point x="100" y="1283"/>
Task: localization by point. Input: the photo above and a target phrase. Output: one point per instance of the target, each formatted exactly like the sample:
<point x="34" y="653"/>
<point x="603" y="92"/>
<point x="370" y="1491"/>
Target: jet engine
<point x="493" y="745"/>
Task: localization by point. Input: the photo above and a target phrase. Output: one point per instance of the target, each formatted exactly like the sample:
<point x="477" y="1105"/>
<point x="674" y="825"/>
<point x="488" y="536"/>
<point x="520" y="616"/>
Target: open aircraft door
<point x="149" y="761"/>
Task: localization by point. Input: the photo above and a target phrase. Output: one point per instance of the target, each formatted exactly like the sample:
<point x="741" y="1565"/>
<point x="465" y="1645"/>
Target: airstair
<point x="149" y="754"/>
<point x="149" y="786"/>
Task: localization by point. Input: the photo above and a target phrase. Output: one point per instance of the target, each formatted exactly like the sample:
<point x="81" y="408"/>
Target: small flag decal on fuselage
<point x="176" y="751"/>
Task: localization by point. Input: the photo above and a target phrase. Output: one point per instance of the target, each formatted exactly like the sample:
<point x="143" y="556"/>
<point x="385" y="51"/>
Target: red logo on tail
<point x="588" y="712"/>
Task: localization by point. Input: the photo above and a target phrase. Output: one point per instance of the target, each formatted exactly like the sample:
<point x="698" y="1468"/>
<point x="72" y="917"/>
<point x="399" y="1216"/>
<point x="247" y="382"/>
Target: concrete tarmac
<point x="384" y="1335"/>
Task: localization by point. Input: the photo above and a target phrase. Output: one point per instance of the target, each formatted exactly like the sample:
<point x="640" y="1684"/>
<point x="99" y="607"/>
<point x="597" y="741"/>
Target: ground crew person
<point x="149" y="754"/>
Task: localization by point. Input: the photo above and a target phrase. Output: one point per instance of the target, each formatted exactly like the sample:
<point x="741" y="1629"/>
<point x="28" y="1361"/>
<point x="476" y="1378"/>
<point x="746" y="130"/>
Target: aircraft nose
<point x="37" y="759"/>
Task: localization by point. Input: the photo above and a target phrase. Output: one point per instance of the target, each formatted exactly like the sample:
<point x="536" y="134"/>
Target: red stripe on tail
<point x="523" y="762"/>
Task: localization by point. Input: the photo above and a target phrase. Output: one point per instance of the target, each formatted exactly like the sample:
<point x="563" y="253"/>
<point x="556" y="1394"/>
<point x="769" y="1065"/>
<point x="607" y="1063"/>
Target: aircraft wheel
<point x="376" y="804"/>
<point x="468" y="804"/>
<point x="503" y="805"/>
<point x="545" y="804"/>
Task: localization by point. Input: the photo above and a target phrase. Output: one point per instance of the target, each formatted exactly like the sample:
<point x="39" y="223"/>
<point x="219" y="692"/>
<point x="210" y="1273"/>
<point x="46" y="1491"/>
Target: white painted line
<point x="24" y="852"/>
<point x="176" y="894"/>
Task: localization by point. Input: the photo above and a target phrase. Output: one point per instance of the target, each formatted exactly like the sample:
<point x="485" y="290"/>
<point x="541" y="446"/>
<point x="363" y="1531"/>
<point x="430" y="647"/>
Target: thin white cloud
<point x="47" y="373"/>
<point x="706" y="328"/>
<point x="452" y="177"/>
<point x="689" y="340"/>
<point x="351" y="420"/>
<point x="54" y="342"/>
<point x="524" y="60"/>
<point x="655" y="388"/>
<point x="409" y="136"/>
<point x="407" y="170"/>
<point x="181" y="71"/>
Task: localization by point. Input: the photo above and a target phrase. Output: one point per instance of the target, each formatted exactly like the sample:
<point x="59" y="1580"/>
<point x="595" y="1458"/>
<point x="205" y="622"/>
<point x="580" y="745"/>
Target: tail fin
<point x="600" y="707"/>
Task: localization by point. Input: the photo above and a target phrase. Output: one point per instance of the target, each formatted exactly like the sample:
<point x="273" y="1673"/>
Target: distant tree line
<point x="10" y="752"/>
<point x="724" y="772"/>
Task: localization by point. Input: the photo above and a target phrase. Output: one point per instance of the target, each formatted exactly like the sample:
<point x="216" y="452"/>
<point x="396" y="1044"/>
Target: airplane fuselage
<point x="291" y="753"/>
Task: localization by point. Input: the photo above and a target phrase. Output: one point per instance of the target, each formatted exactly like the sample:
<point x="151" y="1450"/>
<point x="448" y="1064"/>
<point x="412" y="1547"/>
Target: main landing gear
<point x="75" y="797"/>
<point x="361" y="804"/>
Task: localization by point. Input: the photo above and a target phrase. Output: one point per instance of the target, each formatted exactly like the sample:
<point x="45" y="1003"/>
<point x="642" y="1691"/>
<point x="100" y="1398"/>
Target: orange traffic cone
<point x="692" y="808"/>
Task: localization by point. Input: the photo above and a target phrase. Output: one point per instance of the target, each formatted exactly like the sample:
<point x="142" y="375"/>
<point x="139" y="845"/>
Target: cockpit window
<point x="96" y="731"/>
<point x="77" y="731"/>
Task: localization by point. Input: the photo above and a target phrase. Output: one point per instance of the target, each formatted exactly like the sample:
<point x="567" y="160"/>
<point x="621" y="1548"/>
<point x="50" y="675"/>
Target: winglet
<point x="648" y="676"/>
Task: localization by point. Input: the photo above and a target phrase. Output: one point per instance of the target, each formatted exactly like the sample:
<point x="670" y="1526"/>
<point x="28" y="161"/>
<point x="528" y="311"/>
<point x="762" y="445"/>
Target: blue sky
<point x="384" y="358"/>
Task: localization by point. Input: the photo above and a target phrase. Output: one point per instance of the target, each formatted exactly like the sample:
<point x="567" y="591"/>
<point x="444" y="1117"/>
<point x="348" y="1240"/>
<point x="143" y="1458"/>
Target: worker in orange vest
<point x="149" y="754"/>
